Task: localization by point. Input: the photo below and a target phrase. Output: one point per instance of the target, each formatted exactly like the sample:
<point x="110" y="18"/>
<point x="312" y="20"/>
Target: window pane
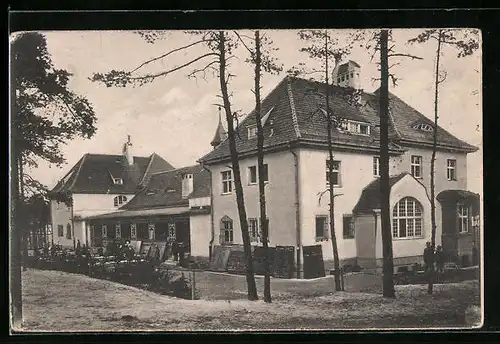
<point x="395" y="228"/>
<point x="253" y="174"/>
<point x="402" y="208"/>
<point x="402" y="228"/>
<point x="266" y="176"/>
<point x="418" y="227"/>
<point x="410" y="228"/>
<point x="320" y="225"/>
<point x="410" y="206"/>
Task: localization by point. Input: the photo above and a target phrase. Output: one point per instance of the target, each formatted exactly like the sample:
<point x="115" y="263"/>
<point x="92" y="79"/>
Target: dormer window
<point x="252" y="131"/>
<point x="424" y="127"/>
<point x="358" y="128"/>
<point x="118" y="181"/>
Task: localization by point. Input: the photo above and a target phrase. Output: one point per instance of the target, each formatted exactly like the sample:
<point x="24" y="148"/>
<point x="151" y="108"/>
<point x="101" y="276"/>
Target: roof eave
<point x="466" y="149"/>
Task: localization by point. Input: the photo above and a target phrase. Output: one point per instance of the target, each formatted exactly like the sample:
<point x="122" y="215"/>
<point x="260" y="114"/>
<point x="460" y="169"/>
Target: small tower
<point x="347" y="75"/>
<point x="127" y="151"/>
<point x="220" y="133"/>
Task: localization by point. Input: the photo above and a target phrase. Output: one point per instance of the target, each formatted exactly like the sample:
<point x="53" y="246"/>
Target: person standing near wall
<point x="428" y="256"/>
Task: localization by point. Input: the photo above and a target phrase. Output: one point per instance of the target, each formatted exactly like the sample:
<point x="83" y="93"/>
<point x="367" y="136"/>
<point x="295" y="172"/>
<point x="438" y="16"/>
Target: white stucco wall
<point x="200" y="227"/>
<point x="409" y="247"/>
<point x="60" y="215"/>
<point x="280" y="198"/>
<point x="356" y="172"/>
<point x="95" y="204"/>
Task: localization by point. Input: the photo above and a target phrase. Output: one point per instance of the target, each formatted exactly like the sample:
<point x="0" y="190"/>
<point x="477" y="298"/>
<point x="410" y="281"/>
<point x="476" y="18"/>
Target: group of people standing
<point x="433" y="257"/>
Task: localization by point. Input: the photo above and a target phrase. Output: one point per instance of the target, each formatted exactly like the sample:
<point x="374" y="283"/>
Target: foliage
<point x="45" y="113"/>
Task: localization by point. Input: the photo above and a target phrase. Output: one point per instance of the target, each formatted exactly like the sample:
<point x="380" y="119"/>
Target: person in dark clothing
<point x="439" y="258"/>
<point x="428" y="256"/>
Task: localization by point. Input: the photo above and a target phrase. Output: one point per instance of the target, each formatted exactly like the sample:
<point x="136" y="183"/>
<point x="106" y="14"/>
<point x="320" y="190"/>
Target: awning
<point x="141" y="213"/>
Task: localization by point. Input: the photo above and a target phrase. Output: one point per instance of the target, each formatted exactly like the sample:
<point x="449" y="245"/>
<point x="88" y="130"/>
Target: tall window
<point x="68" y="231"/>
<point x="416" y="166"/>
<point x="451" y="169"/>
<point x="133" y="231"/>
<point x="407" y="219"/>
<point x="252" y="174"/>
<point x="60" y="230"/>
<point x="463" y="219"/>
<point x="104" y="231"/>
<point x="335" y="173"/>
<point x="226" y="231"/>
<point x="227" y="182"/>
<point x="376" y="166"/>
<point x="151" y="231"/>
<point x="322" y="228"/>
<point x="253" y="230"/>
<point x="348" y="227"/>
<point x="119" y="200"/>
<point x="118" y="231"/>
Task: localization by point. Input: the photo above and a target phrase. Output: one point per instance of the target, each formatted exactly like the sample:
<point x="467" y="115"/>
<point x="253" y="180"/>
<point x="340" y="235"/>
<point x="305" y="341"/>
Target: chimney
<point x="347" y="75"/>
<point x="127" y="151"/>
<point x="187" y="184"/>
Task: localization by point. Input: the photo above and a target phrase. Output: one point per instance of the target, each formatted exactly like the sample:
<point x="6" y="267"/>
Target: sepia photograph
<point x="246" y="180"/>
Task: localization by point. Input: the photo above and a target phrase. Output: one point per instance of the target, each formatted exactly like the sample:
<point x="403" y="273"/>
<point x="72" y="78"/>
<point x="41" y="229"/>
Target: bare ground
<point x="58" y="301"/>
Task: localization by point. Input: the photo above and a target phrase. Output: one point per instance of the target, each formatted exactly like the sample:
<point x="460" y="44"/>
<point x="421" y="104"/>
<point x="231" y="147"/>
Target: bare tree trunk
<point x="336" y="263"/>
<point x="388" y="267"/>
<point x="252" y="289"/>
<point x="433" y="164"/>
<point x="260" y="166"/>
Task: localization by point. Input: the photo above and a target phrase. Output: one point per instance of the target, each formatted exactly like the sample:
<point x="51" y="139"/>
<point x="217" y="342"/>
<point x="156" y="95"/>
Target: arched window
<point x="407" y="218"/>
<point x="226" y="230"/>
<point x="119" y="200"/>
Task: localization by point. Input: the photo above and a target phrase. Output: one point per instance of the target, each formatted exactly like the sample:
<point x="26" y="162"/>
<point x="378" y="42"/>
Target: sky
<point x="175" y="116"/>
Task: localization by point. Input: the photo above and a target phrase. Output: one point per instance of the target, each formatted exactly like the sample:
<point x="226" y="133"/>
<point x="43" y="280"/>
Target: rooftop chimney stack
<point x="187" y="184"/>
<point x="347" y="75"/>
<point x="127" y="151"/>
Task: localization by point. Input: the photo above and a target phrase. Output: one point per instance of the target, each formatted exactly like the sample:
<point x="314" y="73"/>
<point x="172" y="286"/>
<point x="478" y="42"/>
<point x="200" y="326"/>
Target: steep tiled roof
<point x="296" y="117"/>
<point x="165" y="189"/>
<point x="370" y="197"/>
<point x="94" y="172"/>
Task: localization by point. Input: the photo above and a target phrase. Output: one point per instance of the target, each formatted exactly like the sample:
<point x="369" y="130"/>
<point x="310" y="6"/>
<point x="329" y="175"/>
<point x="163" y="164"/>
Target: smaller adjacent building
<point x="173" y="208"/>
<point x="461" y="225"/>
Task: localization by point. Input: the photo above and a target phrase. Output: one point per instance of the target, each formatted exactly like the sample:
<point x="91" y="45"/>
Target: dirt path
<point x="57" y="301"/>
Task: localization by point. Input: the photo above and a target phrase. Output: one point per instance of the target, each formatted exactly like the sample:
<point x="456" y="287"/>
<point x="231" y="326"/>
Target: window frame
<point x="133" y="231"/>
<point x="351" y="231"/>
<point x="151" y="229"/>
<point x="451" y="171"/>
<point x="415" y="165"/>
<point x="118" y="181"/>
<point x="252" y="131"/>
<point x="119" y="200"/>
<point x="376" y="166"/>
<point x="118" y="231"/>
<point x="60" y="231"/>
<point x="69" y="234"/>
<point x="104" y="231"/>
<point x="325" y="230"/>
<point x="463" y="218"/>
<point x="397" y="220"/>
<point x="227" y="182"/>
<point x="223" y="230"/>
<point x="334" y="170"/>
<point x="256" y="237"/>
<point x="254" y="169"/>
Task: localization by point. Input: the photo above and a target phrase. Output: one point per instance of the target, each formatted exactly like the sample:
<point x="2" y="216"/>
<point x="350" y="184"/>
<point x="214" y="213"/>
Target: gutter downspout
<point x="212" y="232"/>
<point x="297" y="213"/>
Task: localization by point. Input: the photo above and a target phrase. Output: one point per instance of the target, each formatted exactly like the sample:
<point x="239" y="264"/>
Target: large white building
<point x="296" y="157"/>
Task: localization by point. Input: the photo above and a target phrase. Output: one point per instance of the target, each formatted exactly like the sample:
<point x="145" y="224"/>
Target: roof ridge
<point x="295" y="120"/>
<point x="175" y="169"/>
<point x="78" y="171"/>
<point x="151" y="157"/>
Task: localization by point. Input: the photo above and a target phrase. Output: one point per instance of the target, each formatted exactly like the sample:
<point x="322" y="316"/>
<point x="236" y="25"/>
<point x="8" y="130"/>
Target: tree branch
<point x="153" y="76"/>
<point x="405" y="55"/>
<point x="169" y="53"/>
<point x="244" y="44"/>
<point x="204" y="69"/>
